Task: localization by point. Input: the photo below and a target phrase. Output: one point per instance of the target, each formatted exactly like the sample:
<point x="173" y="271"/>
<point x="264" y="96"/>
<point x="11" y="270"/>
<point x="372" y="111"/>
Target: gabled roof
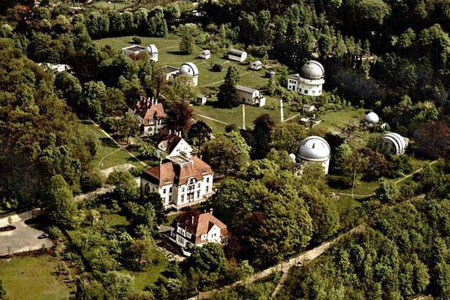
<point x="245" y="89"/>
<point x="149" y="111"/>
<point x="178" y="170"/>
<point x="170" y="143"/>
<point x="235" y="52"/>
<point x="198" y="223"/>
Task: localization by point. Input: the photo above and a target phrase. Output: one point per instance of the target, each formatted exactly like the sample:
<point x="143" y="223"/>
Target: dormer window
<point x="203" y="237"/>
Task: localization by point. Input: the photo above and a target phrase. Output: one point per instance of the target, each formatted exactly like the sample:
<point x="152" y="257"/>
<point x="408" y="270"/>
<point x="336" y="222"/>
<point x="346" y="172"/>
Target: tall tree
<point x="262" y="136"/>
<point x="60" y="207"/>
<point x="180" y="116"/>
<point x="187" y="43"/>
<point x="227" y="96"/>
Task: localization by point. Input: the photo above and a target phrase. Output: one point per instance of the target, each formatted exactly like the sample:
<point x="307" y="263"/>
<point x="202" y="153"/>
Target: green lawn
<point x="108" y="153"/>
<point x="149" y="276"/>
<point x="111" y="4"/>
<point x="333" y="121"/>
<point x="32" y="278"/>
<point x="209" y="81"/>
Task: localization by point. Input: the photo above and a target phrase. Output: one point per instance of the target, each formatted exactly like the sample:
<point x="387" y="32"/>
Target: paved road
<point x="23" y="239"/>
<point x="300" y="260"/>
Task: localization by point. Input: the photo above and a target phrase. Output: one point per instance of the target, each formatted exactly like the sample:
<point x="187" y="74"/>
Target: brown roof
<point x="198" y="223"/>
<point x="150" y="111"/>
<point x="171" y="172"/>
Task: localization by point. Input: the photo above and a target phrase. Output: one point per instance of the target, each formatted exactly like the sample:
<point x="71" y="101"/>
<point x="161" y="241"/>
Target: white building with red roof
<point x="173" y="145"/>
<point x="180" y="181"/>
<point x="151" y="115"/>
<point x="194" y="229"/>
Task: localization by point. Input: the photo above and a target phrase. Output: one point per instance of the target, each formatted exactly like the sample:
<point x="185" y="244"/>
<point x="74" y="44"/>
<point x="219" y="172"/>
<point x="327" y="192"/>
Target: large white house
<point x="250" y="96"/>
<point x="237" y="55"/>
<point x="194" y="229"/>
<point x="314" y="149"/>
<point x="134" y="50"/>
<point x="310" y="80"/>
<point x="151" y="116"/>
<point x="180" y="181"/>
<point x="174" y="145"/>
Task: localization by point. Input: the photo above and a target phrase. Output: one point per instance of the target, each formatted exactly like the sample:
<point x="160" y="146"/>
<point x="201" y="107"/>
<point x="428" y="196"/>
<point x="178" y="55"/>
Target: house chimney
<point x="192" y="218"/>
<point x="211" y="210"/>
<point x="156" y="100"/>
<point x="170" y="131"/>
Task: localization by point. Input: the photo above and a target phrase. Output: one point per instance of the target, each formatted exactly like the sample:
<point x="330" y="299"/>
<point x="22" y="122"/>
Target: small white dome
<point x="312" y="70"/>
<point x="372" y="118"/>
<point x="314" y="148"/>
<point x="189" y="69"/>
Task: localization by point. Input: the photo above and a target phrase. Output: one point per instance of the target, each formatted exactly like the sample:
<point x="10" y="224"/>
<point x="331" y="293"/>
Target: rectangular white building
<point x="250" y="96"/>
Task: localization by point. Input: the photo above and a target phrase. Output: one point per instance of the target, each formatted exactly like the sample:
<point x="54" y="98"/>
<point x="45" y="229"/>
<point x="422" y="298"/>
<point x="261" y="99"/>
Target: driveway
<point x="23" y="239"/>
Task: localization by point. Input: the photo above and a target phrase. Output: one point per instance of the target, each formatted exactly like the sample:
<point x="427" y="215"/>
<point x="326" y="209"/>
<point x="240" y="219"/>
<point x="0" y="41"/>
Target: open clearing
<point x="32" y="278"/>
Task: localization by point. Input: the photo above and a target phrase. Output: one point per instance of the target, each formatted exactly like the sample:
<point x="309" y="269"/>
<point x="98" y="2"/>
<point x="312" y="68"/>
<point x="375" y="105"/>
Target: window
<point x="207" y="189"/>
<point x="198" y="194"/>
<point x="164" y="191"/>
<point x="170" y="190"/>
<point x="147" y="188"/>
<point x="207" y="179"/>
<point x="306" y="91"/>
<point x="198" y="185"/>
<point x="182" y="190"/>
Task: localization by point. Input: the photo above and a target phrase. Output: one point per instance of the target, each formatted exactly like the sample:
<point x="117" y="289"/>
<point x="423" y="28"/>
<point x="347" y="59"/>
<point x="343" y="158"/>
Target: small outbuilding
<point x="237" y="55"/>
<point x="205" y="54"/>
<point x="200" y="100"/>
<point x="250" y="96"/>
<point x="256" y="65"/>
<point x="134" y="50"/>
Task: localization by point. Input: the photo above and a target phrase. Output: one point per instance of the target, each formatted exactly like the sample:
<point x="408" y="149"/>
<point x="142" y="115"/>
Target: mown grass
<point x="32" y="278"/>
<point x="108" y="153"/>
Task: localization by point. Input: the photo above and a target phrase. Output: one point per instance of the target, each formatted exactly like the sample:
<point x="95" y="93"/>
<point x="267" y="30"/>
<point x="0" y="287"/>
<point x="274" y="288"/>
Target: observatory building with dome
<point x="393" y="143"/>
<point x="314" y="149"/>
<point x="310" y="80"/>
<point x="134" y="50"/>
<point x="372" y="119"/>
<point x="191" y="70"/>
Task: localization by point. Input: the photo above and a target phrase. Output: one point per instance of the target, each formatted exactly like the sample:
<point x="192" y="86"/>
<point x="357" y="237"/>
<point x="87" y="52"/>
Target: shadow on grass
<point x="107" y="142"/>
<point x="178" y="52"/>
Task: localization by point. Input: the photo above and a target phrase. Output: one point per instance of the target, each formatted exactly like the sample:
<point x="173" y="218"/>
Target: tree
<point x="387" y="191"/>
<point x="61" y="208"/>
<point x="157" y="203"/>
<point x="118" y="284"/>
<point x="129" y="126"/>
<point x="432" y="139"/>
<point x="187" y="43"/>
<point x="69" y="88"/>
<point x="261" y="136"/>
<point x="227" y="96"/>
<point x="180" y="116"/>
<point x="199" y="133"/>
<point x="351" y="163"/>
<point x="139" y="254"/>
<point x="227" y="153"/>
<point x="90" y="98"/>
<point x="146" y="151"/>
<point x="287" y="136"/>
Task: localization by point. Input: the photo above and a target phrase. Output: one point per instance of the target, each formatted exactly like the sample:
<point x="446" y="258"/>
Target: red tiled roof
<point x="198" y="224"/>
<point x="150" y="111"/>
<point x="169" y="172"/>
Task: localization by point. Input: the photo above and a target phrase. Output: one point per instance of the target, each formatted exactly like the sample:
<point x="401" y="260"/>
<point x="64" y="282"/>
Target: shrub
<point x="137" y="41"/>
<point x="217" y="68"/>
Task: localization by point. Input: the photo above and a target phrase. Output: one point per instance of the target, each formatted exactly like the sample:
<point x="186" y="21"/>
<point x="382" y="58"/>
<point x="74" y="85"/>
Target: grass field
<point x="32" y="278"/>
<point x="149" y="276"/>
<point x="333" y="121"/>
<point x="108" y="153"/>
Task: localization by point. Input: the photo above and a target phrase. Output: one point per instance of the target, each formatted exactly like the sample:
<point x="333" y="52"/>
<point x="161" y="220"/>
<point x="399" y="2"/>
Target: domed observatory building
<point x="314" y="149"/>
<point x="191" y="70"/>
<point x="372" y="119"/>
<point x="310" y="80"/>
<point x="152" y="51"/>
<point x="393" y="143"/>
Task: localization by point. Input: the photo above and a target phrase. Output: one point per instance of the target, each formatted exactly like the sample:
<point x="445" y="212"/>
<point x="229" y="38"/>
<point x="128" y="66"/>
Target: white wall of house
<point x="241" y="58"/>
<point x="183" y="195"/>
<point x="248" y="98"/>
